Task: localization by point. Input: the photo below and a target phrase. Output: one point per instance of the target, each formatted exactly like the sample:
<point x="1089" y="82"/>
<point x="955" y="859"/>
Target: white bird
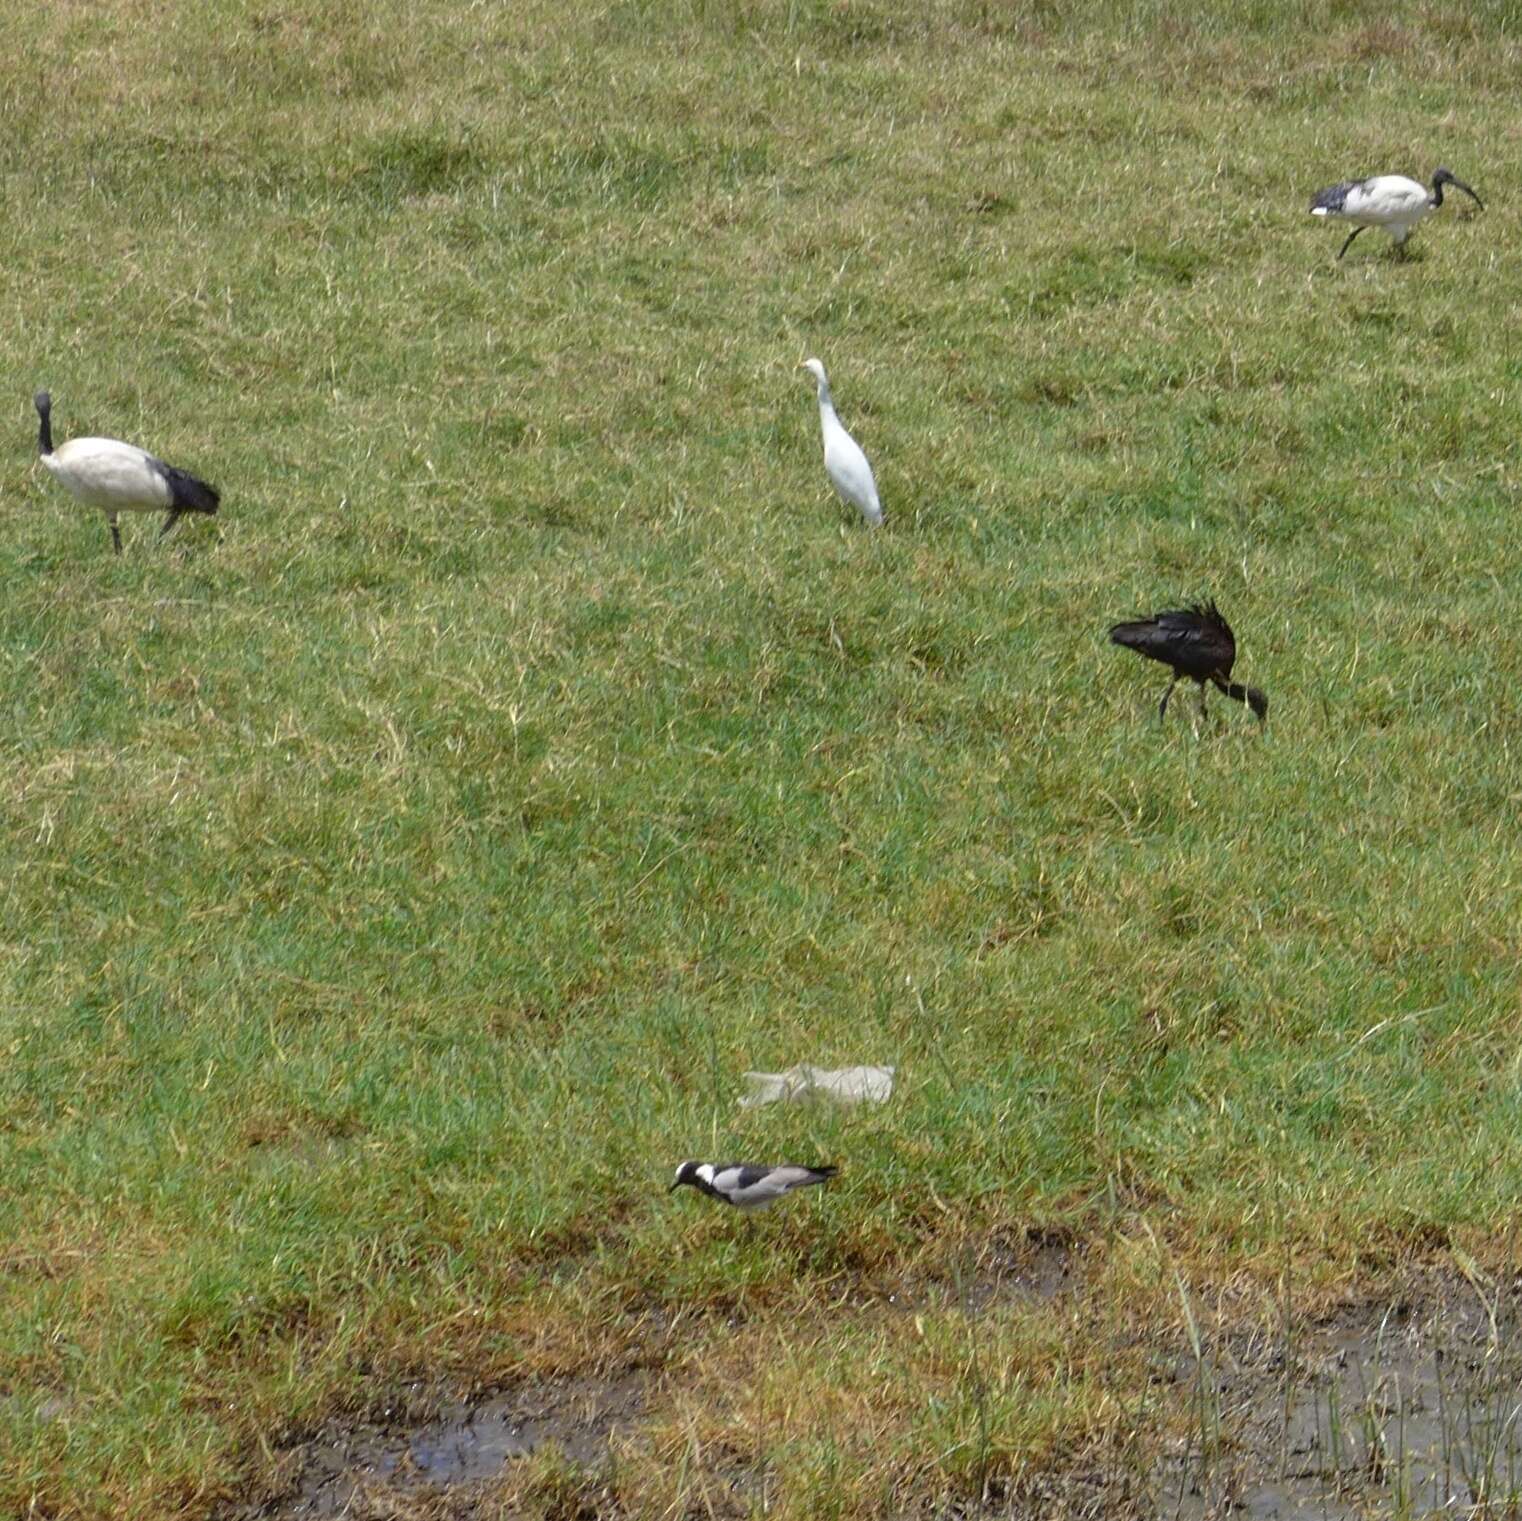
<point x="744" y="1186"/>
<point x="844" y="463"/>
<point x="118" y="477"/>
<point x="1388" y="201"/>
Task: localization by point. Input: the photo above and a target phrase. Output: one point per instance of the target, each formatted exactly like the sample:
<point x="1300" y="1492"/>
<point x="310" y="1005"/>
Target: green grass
<point x="402" y="870"/>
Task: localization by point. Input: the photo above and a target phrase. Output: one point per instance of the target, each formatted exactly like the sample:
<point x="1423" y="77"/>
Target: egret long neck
<point x="826" y="406"/>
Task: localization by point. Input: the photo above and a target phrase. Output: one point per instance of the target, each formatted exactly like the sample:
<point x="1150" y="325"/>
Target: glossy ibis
<point x="1196" y="642"/>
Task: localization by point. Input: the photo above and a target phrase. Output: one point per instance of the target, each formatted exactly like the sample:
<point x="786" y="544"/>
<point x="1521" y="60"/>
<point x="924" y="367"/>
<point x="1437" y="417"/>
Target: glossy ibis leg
<point x="1162" y="707"/>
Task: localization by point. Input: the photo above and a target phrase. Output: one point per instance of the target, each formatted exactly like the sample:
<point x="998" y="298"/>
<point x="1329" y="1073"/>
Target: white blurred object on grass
<point x="846" y="1085"/>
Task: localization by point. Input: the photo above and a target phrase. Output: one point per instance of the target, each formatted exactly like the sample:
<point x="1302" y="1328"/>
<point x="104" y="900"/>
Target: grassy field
<point x="403" y="868"/>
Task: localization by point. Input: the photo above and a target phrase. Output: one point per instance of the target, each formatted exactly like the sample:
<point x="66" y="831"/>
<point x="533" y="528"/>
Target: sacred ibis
<point x="844" y="463"/>
<point x="1388" y="201"/>
<point x="118" y="477"/>
<point x="1196" y="642"/>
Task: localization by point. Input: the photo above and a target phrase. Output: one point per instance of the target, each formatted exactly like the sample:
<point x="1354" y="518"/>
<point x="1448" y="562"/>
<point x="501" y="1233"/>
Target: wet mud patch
<point x="1040" y="1265"/>
<point x="1032" y="1266"/>
<point x="395" y="1462"/>
<point x="1407" y="1405"/>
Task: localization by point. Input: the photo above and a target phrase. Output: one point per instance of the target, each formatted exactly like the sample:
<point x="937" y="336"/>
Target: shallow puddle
<point x="456" y="1444"/>
<point x="1410" y="1406"/>
<point x="1384" y="1412"/>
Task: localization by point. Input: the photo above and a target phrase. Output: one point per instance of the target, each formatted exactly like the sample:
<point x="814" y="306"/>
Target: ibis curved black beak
<point x="1448" y="177"/>
<point x="1460" y="185"/>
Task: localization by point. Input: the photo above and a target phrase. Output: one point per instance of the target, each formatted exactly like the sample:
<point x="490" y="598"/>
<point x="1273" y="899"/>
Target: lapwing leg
<point x="1162" y="707"/>
<point x="169" y="522"/>
<point x="1341" y="251"/>
<point x="116" y="533"/>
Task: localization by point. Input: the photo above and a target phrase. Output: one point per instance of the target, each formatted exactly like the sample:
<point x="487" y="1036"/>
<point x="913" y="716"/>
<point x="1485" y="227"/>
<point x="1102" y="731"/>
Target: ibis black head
<point x="1258" y="703"/>
<point x="44" y="404"/>
<point x="1441" y="177"/>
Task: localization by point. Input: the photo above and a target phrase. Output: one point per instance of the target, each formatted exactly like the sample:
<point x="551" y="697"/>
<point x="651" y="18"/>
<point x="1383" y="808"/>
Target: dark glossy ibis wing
<point x="1194" y="641"/>
<point x="1201" y="642"/>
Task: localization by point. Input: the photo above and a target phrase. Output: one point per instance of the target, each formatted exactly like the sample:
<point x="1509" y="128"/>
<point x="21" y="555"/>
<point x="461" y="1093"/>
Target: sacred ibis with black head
<point x="118" y="477"/>
<point x="844" y="463"/>
<point x="1388" y="201"/>
<point x="1196" y="642"/>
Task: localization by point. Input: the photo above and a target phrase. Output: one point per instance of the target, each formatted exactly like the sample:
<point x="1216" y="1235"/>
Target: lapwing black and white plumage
<point x="116" y="477"/>
<point x="745" y="1186"/>
<point x="844" y="462"/>
<point x="1390" y="202"/>
<point x="1196" y="642"/>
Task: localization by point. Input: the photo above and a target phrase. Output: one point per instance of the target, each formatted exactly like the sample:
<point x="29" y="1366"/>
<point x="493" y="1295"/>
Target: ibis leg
<point x="1162" y="707"/>
<point x="1341" y="251"/>
<point x="1202" y="702"/>
<point x="116" y="534"/>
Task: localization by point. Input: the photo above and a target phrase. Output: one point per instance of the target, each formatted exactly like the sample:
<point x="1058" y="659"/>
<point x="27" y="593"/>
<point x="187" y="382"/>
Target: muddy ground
<point x="1407" y="1404"/>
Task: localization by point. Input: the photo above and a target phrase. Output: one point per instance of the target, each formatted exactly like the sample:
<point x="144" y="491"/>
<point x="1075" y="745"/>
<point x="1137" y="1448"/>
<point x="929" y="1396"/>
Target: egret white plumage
<point x="844" y="463"/>
<point x="118" y="477"/>
<point x="745" y="1186"/>
<point x="1388" y="201"/>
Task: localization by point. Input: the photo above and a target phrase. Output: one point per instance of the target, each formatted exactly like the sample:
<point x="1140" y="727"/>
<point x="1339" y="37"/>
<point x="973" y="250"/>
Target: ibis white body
<point x="844" y="462"/>
<point x="111" y="475"/>
<point x="1391" y="202"/>
<point x="115" y="477"/>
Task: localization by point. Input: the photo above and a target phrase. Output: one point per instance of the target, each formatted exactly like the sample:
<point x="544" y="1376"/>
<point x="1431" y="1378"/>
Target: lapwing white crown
<point x="844" y="463"/>
<point x="745" y="1186"/>
<point x="117" y="477"/>
<point x="1390" y="202"/>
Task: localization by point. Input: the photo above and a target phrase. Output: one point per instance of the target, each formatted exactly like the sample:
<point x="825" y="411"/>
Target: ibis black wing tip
<point x="188" y="493"/>
<point x="1334" y="197"/>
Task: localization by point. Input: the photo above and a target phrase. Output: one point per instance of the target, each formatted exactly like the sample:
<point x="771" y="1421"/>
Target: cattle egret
<point x="118" y="477"/>
<point x="844" y="463"/>
<point x="1198" y="643"/>
<point x="1388" y="201"/>
<point x="744" y="1186"/>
